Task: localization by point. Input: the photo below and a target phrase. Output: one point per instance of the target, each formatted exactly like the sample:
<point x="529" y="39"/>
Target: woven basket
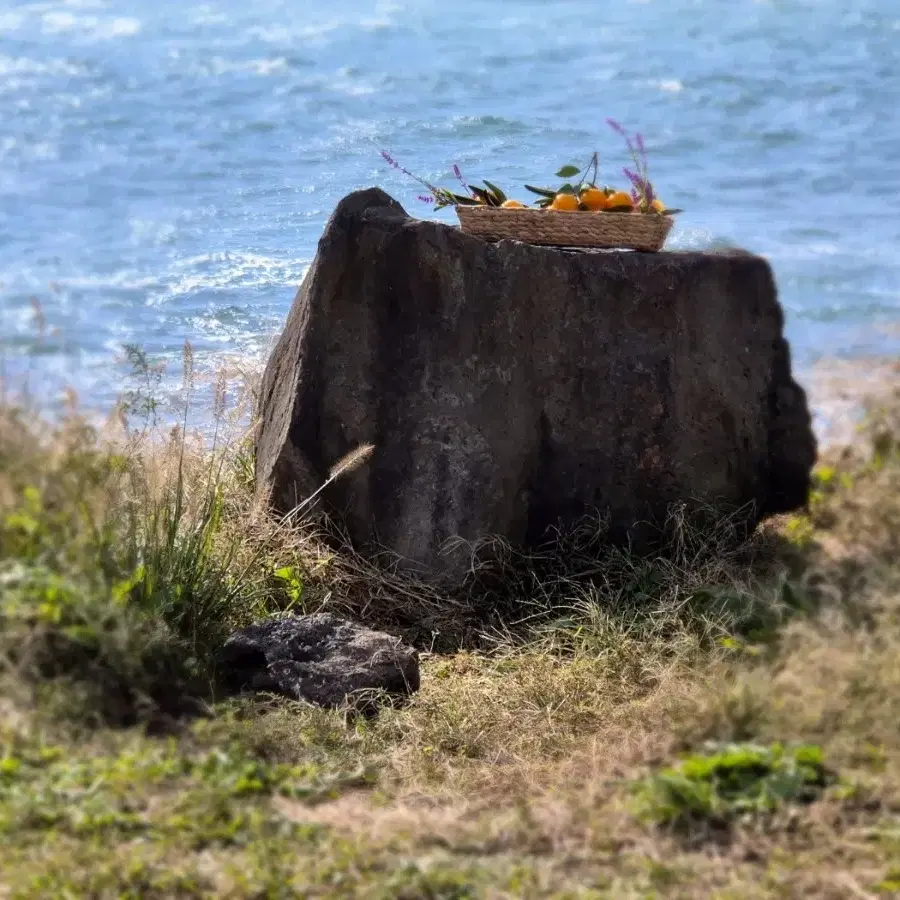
<point x="635" y="231"/>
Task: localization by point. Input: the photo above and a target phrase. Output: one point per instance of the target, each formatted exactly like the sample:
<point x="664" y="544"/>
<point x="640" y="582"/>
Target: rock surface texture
<point x="319" y="658"/>
<point x="509" y="388"/>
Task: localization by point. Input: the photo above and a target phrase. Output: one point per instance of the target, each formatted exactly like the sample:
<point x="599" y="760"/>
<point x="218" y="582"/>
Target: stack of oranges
<point x="590" y="199"/>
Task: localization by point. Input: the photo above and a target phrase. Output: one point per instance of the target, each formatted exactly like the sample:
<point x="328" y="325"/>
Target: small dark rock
<point x="319" y="658"/>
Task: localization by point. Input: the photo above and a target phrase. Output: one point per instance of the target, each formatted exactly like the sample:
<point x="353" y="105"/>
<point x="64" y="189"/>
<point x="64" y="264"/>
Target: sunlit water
<point x="166" y="168"/>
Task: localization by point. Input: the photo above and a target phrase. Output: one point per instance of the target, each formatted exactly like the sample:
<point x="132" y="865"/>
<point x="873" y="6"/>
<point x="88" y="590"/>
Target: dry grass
<point x="553" y="688"/>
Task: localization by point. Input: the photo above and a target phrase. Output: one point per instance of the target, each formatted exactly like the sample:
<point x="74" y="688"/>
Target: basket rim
<point x="518" y="211"/>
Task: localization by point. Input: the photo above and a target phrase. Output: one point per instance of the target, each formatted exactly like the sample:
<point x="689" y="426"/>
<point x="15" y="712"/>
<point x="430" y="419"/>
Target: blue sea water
<point x="166" y="168"/>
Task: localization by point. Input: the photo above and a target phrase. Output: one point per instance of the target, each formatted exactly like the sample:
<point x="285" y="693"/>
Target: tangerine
<point x="658" y="205"/>
<point x="564" y="203"/>
<point x="512" y="204"/>
<point x="620" y="199"/>
<point x="593" y="199"/>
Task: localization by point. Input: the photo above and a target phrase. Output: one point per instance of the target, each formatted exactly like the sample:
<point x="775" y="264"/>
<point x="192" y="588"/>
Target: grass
<point x="719" y="721"/>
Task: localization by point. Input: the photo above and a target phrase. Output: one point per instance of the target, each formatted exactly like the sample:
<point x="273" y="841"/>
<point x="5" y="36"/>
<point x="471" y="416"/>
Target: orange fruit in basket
<point x="658" y="205"/>
<point x="512" y="204"/>
<point x="620" y="199"/>
<point x="564" y="203"/>
<point x="593" y="199"/>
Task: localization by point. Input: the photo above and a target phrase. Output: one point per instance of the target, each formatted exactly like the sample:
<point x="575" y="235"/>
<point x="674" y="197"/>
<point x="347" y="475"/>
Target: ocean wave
<point x="12" y="66"/>
<point x="271" y="33"/>
<point x="28" y="150"/>
<point x="124" y="279"/>
<point x="669" y="85"/>
<point x="318" y="33"/>
<point x="217" y="66"/>
<point x="92" y="27"/>
<point x="215" y="271"/>
<point x="185" y="277"/>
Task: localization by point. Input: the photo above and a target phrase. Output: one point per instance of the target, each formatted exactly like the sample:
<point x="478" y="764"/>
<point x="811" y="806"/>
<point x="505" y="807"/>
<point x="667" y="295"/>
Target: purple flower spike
<point x="634" y="178"/>
<point x="390" y="160"/>
<point x="639" y="140"/>
<point x="459" y="176"/>
<point x="425" y="198"/>
<point x="616" y="126"/>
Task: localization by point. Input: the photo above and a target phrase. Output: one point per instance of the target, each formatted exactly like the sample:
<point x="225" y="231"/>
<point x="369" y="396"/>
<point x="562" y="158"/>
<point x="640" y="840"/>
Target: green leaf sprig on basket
<point x="584" y="183"/>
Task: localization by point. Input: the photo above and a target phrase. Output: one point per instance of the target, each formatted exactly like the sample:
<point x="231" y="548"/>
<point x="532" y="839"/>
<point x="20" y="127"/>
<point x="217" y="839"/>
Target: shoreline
<point x="838" y="390"/>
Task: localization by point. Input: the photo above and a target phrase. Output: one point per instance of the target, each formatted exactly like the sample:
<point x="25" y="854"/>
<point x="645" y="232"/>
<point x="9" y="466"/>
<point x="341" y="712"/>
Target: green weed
<point x="731" y="783"/>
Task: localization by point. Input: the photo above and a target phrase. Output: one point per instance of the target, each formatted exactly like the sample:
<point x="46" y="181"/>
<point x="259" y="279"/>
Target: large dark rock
<point x="319" y="658"/>
<point x="508" y="388"/>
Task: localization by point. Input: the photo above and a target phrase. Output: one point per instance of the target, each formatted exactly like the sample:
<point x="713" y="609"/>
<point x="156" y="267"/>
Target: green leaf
<point x="566" y="189"/>
<point x="293" y="582"/>
<point x="567" y="171"/>
<point x="810" y="755"/>
<point x="122" y="590"/>
<point x="671" y="212"/>
<point x="486" y="197"/>
<point x="543" y="192"/>
<point x="464" y="201"/>
<point x="501" y="197"/>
